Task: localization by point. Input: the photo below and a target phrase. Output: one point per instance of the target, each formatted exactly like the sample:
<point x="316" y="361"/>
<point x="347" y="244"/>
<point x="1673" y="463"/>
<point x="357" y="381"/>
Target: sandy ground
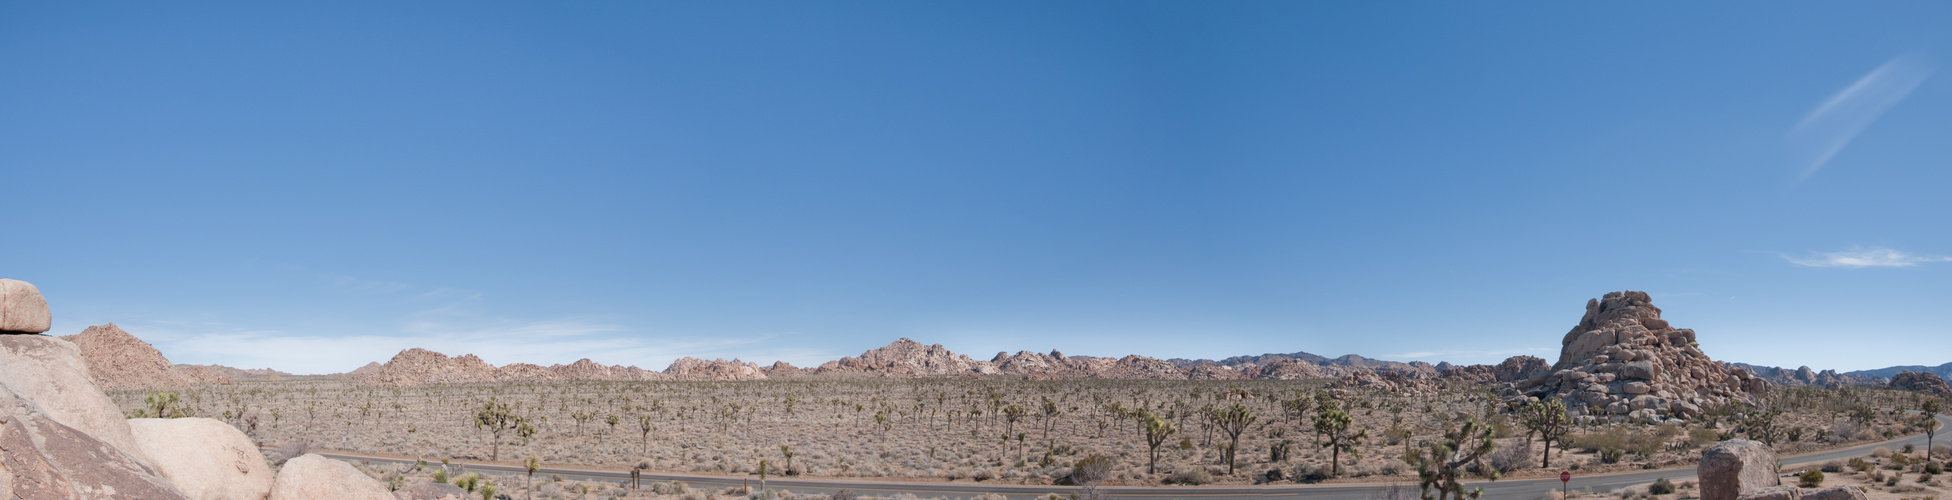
<point x="962" y="430"/>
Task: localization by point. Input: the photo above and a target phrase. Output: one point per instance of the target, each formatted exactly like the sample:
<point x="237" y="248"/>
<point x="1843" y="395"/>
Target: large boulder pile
<point x="1623" y="359"/>
<point x="119" y="360"/>
<point x="1920" y="381"/>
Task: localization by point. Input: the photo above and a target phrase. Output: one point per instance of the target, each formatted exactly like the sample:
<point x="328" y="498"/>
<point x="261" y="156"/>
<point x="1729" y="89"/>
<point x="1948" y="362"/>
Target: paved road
<point x="1524" y="489"/>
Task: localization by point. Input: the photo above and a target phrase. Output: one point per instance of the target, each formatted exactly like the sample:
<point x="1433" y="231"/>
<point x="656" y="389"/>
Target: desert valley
<point x="1629" y="392"/>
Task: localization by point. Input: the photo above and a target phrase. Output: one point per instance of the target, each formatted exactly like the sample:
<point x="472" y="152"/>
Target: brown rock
<point x="50" y="372"/>
<point x="119" y="360"/>
<point x="1734" y="467"/>
<point x="1622" y="337"/>
<point x="41" y="458"/>
<point x="22" y="310"/>
<point x="1920" y="381"/>
<point x="311" y="477"/>
<point x="205" y="459"/>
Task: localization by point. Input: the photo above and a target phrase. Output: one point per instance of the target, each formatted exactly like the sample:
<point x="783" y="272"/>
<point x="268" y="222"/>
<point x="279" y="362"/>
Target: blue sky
<point x="314" y="187"/>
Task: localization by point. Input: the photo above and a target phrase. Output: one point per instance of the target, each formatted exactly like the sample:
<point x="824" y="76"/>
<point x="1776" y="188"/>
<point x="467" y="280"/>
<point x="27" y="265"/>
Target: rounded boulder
<point x="1735" y="467"/>
<point x="205" y="459"/>
<point x="311" y="476"/>
<point x="22" y="310"/>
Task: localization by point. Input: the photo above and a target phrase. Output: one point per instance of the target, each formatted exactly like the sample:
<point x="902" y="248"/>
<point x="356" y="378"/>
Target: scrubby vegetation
<point x="1021" y="431"/>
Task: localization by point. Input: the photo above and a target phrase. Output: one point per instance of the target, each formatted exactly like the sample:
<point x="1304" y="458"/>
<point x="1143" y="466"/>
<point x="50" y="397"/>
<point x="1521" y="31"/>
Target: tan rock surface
<point x="41" y="458"/>
<point x="313" y="477"/>
<point x="205" y="459"/>
<point x="1736" y="467"/>
<point x="118" y="360"/>
<point x="51" y="373"/>
<point x="1920" y="381"/>
<point x="1622" y="348"/>
<point x="22" y="309"/>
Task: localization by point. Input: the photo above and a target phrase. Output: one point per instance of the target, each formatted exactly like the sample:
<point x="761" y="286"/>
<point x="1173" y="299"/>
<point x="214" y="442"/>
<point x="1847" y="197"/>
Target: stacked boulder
<point x="1623" y="359"/>
<point x="62" y="438"/>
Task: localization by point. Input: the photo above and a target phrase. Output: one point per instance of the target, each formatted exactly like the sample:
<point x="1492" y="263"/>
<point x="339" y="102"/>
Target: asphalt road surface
<point x="1525" y="489"/>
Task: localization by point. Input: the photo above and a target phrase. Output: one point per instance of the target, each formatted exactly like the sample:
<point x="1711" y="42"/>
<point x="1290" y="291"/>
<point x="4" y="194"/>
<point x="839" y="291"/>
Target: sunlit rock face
<point x="1623" y="359"/>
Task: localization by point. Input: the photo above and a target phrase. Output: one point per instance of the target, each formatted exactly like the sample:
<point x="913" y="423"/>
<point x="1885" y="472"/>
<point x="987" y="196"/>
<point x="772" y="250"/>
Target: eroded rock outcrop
<point x="118" y="360"/>
<point x="50" y="372"/>
<point x="1921" y="382"/>
<point x="22" y="309"/>
<point x="42" y="458"/>
<point x="205" y="459"/>
<point x="1623" y="359"/>
<point x="906" y="358"/>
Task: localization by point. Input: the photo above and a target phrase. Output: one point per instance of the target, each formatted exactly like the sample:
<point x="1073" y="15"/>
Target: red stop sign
<point x="1565" y="477"/>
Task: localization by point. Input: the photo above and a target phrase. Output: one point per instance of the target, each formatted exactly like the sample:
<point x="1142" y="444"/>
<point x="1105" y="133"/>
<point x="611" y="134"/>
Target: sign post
<point x="1565" y="484"/>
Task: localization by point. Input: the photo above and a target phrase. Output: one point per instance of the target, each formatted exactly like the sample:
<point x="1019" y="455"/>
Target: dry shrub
<point x="1190" y="474"/>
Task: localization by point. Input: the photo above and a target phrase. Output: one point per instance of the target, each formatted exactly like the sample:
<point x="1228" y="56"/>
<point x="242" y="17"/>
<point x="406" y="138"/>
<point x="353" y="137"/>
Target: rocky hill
<point x="119" y="360"/>
<point x="1622" y="358"/>
<point x="1805" y="376"/>
<point x="420" y="366"/>
<point x="1927" y="382"/>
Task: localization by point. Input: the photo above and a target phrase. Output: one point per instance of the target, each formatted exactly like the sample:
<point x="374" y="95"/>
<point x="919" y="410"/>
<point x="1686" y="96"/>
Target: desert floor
<point x="965" y="430"/>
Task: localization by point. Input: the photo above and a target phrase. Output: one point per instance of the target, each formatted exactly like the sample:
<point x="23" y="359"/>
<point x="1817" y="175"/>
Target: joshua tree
<point x="582" y="417"/>
<point x="1050" y="413"/>
<point x="532" y="464"/>
<point x="1760" y="422"/>
<point x="1234" y="420"/>
<point x="1547" y="418"/>
<point x="1334" y="424"/>
<point x="1156" y="431"/>
<point x="787" y="451"/>
<point x="1930" y="408"/>
<point x="1011" y="415"/>
<point x="762" y="474"/>
<point x="496" y="417"/>
<point x="612" y="420"/>
<point x="1439" y="468"/>
<point x="644" y="428"/>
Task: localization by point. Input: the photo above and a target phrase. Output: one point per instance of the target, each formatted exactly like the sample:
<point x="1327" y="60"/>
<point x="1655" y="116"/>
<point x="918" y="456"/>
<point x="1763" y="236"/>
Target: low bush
<point x="1661" y="487"/>
<point x="1190" y="474"/>
<point x="1810" y="479"/>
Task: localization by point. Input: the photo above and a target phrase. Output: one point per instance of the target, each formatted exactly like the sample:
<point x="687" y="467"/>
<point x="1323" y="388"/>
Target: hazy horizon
<point x="313" y="187"/>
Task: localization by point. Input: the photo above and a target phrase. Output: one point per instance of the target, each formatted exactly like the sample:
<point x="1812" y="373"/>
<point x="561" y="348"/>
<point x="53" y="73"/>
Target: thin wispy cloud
<point x="452" y="322"/>
<point x="1866" y="257"/>
<point x="1830" y="127"/>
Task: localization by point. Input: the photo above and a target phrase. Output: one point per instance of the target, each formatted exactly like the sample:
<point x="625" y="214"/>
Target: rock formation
<point x="311" y="477"/>
<point x="50" y="372"/>
<point x="206" y="459"/>
<point x="1920" y="381"/>
<point x="62" y="438"/>
<point x="1623" y="359"/>
<point x="1734" y="467"/>
<point x="121" y="361"/>
<point x="1795" y="493"/>
<point x="907" y="358"/>
<point x="22" y="310"/>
